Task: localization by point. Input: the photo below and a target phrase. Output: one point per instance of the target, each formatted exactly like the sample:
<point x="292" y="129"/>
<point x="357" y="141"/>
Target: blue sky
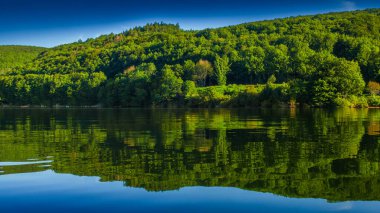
<point x="53" y="22"/>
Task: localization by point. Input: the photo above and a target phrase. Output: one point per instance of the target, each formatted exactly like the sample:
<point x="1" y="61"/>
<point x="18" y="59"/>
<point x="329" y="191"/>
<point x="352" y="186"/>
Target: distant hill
<point x="13" y="56"/>
<point x="250" y="47"/>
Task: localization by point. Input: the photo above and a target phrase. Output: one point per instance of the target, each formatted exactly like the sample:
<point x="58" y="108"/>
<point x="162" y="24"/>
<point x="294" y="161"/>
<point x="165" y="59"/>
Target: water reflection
<point x="297" y="153"/>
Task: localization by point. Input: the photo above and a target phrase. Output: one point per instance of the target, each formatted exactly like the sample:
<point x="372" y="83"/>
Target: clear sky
<point x="53" y="22"/>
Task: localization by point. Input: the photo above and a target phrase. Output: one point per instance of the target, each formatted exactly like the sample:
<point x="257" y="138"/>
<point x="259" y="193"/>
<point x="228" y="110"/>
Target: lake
<point x="198" y="160"/>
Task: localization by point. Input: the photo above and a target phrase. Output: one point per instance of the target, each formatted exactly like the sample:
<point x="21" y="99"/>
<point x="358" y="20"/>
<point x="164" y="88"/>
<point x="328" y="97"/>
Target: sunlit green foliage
<point x="64" y="89"/>
<point x="330" y="56"/>
<point x="15" y="56"/>
<point x="222" y="67"/>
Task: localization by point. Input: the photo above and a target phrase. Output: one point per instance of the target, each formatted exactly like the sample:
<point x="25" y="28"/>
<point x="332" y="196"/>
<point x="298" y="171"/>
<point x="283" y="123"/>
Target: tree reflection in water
<point x="296" y="153"/>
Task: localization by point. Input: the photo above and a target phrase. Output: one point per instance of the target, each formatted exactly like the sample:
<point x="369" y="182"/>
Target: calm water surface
<point x="218" y="160"/>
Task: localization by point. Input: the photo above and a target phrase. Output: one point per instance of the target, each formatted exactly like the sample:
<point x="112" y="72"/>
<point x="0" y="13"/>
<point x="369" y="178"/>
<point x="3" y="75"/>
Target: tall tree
<point x="203" y="70"/>
<point x="222" y="67"/>
<point x="169" y="86"/>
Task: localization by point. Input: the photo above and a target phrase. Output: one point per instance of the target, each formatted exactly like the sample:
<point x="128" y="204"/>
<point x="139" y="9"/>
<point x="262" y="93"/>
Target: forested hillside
<point x="13" y="56"/>
<point x="319" y="60"/>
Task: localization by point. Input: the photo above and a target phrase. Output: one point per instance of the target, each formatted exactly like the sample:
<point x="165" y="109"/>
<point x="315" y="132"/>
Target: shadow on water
<point x="333" y="154"/>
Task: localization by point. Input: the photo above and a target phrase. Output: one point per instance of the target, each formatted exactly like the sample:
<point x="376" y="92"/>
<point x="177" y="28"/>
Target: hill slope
<point x="321" y="59"/>
<point x="13" y="56"/>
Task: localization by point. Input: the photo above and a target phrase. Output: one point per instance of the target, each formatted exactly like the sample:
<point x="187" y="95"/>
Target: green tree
<point x="169" y="86"/>
<point x="222" y="67"/>
<point x="255" y="64"/>
<point x="203" y="70"/>
<point x="138" y="89"/>
<point x="335" y="77"/>
<point x="189" y="70"/>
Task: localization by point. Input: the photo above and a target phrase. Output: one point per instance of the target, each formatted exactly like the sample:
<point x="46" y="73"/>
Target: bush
<point x="190" y="90"/>
<point x="353" y="101"/>
<point x="359" y="102"/>
<point x="374" y="101"/>
<point x="244" y="96"/>
<point x="374" y="88"/>
<point x="342" y="102"/>
<point x="212" y="96"/>
<point x="228" y="96"/>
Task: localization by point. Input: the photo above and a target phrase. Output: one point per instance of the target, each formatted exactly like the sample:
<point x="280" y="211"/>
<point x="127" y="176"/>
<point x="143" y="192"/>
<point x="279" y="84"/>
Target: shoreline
<point x="280" y="106"/>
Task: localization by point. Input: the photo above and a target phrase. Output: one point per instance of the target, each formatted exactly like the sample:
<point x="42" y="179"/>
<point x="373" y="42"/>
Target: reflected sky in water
<point x="51" y="192"/>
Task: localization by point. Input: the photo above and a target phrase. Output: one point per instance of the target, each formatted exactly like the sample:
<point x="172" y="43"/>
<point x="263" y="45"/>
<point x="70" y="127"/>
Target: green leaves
<point x="67" y="89"/>
<point x="170" y="86"/>
<point x="335" y="77"/>
<point x="327" y="53"/>
<point x="222" y="67"/>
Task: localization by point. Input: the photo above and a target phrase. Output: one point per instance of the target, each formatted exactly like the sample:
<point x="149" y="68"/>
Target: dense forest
<point x="330" y="154"/>
<point x="12" y="57"/>
<point x="321" y="60"/>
